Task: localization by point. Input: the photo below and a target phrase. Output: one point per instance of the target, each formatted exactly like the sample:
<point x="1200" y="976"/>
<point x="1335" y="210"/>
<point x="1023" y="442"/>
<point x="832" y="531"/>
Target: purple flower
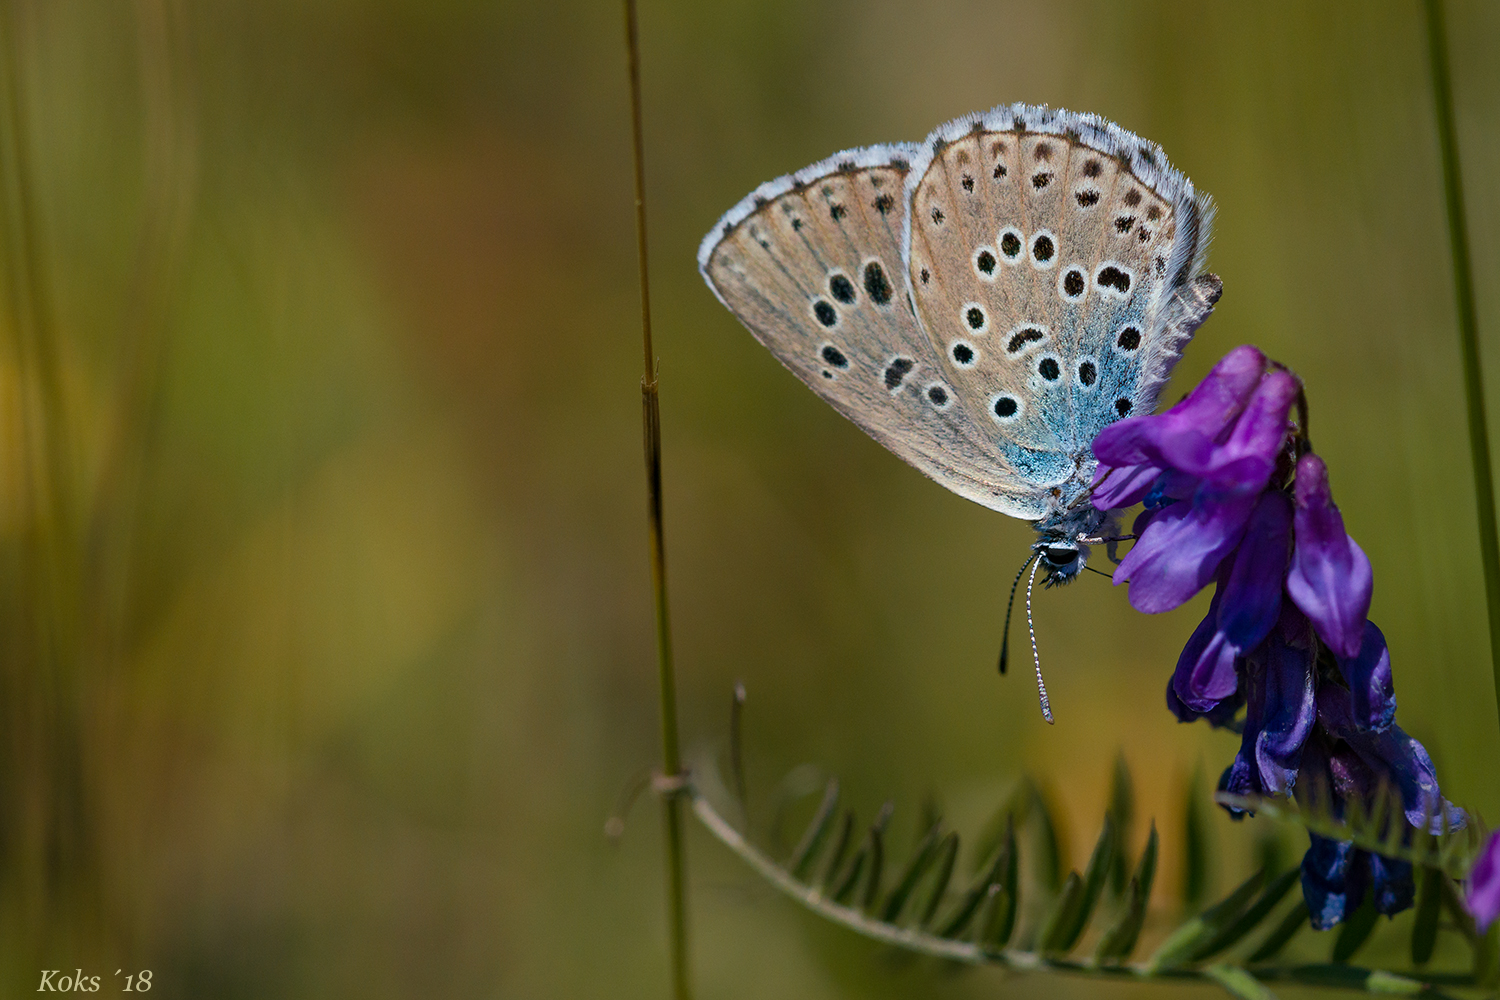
<point x="1336" y="875"/>
<point x="1134" y="452"/>
<point x="1246" y="605"/>
<point x="1390" y="756"/>
<point x="1372" y="692"/>
<point x="1482" y="894"/>
<point x="1280" y="688"/>
<point x="1330" y="578"/>
<point x="1225" y="502"/>
<point x="1208" y="482"/>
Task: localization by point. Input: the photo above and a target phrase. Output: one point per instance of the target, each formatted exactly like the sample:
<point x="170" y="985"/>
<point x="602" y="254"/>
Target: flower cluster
<point x="1234" y="496"/>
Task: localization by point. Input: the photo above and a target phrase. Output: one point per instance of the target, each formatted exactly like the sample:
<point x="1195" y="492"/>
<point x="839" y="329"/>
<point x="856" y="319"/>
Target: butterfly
<point x="982" y="303"/>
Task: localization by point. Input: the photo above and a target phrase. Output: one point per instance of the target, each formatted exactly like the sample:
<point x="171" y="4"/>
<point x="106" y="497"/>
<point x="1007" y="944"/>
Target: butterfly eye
<point x="1060" y="557"/>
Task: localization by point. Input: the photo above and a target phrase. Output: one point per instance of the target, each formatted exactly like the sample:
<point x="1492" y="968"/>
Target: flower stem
<point x="1468" y="327"/>
<point x="666" y="675"/>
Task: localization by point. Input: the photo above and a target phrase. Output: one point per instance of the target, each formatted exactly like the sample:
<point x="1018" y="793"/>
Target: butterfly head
<point x="1061" y="559"/>
<point x="1062" y="544"/>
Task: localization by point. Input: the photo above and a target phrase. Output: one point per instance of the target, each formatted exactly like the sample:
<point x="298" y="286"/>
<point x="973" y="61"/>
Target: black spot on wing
<point x="896" y="372"/>
<point x="877" y="285"/>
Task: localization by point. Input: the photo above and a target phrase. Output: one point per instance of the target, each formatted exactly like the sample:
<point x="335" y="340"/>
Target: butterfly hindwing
<point x="812" y="264"/>
<point x="1049" y="257"/>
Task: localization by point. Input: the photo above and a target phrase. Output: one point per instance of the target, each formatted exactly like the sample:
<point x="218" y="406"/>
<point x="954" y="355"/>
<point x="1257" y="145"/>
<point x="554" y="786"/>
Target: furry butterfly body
<point x="982" y="303"/>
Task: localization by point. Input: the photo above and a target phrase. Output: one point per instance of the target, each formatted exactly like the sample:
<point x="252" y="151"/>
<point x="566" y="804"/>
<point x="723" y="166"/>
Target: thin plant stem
<point x="1468" y="327"/>
<point x="666" y="674"/>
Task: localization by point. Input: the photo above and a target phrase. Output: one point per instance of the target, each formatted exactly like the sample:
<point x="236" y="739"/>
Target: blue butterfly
<point x="982" y="304"/>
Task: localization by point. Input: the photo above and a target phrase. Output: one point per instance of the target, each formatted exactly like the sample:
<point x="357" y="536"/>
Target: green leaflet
<point x="1119" y="941"/>
<point x="1184" y="943"/>
<point x="1277" y="939"/>
<point x="817" y="832"/>
<point x="1355" y="930"/>
<point x="1425" y="923"/>
<point x="1195" y="845"/>
<point x="947" y="854"/>
<point x="1251" y="918"/>
<point x="1062" y="916"/>
<point x="1238" y="982"/>
<point x="1122" y="812"/>
<point x="922" y="857"/>
<point x="979" y="890"/>
<point x="1073" y="912"/>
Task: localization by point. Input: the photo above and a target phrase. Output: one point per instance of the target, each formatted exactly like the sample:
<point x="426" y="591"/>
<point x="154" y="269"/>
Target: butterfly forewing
<point x="1044" y="256"/>
<point x="812" y="264"/>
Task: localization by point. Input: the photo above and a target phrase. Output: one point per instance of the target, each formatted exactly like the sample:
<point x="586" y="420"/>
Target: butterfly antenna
<point x="1041" y="686"/>
<point x="1009" y="605"/>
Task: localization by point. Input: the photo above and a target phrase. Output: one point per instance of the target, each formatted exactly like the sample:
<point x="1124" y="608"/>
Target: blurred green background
<point x="326" y="622"/>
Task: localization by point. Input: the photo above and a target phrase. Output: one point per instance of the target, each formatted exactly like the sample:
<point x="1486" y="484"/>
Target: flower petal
<point x="1330" y="578"/>
<point x="1371" y="689"/>
<point x="1252" y="594"/>
<point x="1125" y="486"/>
<point x="1184" y="435"/>
<point x="1205" y="673"/>
<point x="1248" y="457"/>
<point x="1392" y="755"/>
<point x="1482" y="894"/>
<point x="1326" y="870"/>
<point x="1282" y="696"/>
<point x="1181" y="548"/>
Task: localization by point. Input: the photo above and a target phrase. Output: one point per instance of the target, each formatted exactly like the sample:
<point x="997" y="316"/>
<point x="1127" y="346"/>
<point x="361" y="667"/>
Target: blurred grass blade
<point x="840" y="848"/>
<point x="656" y="527"/>
<point x="1356" y="930"/>
<point x="1072" y="922"/>
<point x="1468" y="326"/>
<point x="1424" y="926"/>
<point x="978" y="892"/>
<point x="1049" y="860"/>
<point x="816" y="834"/>
<point x="922" y="857"/>
<point x="736" y="751"/>
<point x="947" y="854"/>
<point x="1122" y="812"/>
<point x="1119" y="941"/>
<point x="1063" y="915"/>
<point x="1463" y="921"/>
<point x="1237" y="982"/>
<point x="1487" y="957"/>
<point x="1183" y="943"/>
<point x="1195" y="846"/>
<point x="1251" y="918"/>
<point x="1277" y="939"/>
